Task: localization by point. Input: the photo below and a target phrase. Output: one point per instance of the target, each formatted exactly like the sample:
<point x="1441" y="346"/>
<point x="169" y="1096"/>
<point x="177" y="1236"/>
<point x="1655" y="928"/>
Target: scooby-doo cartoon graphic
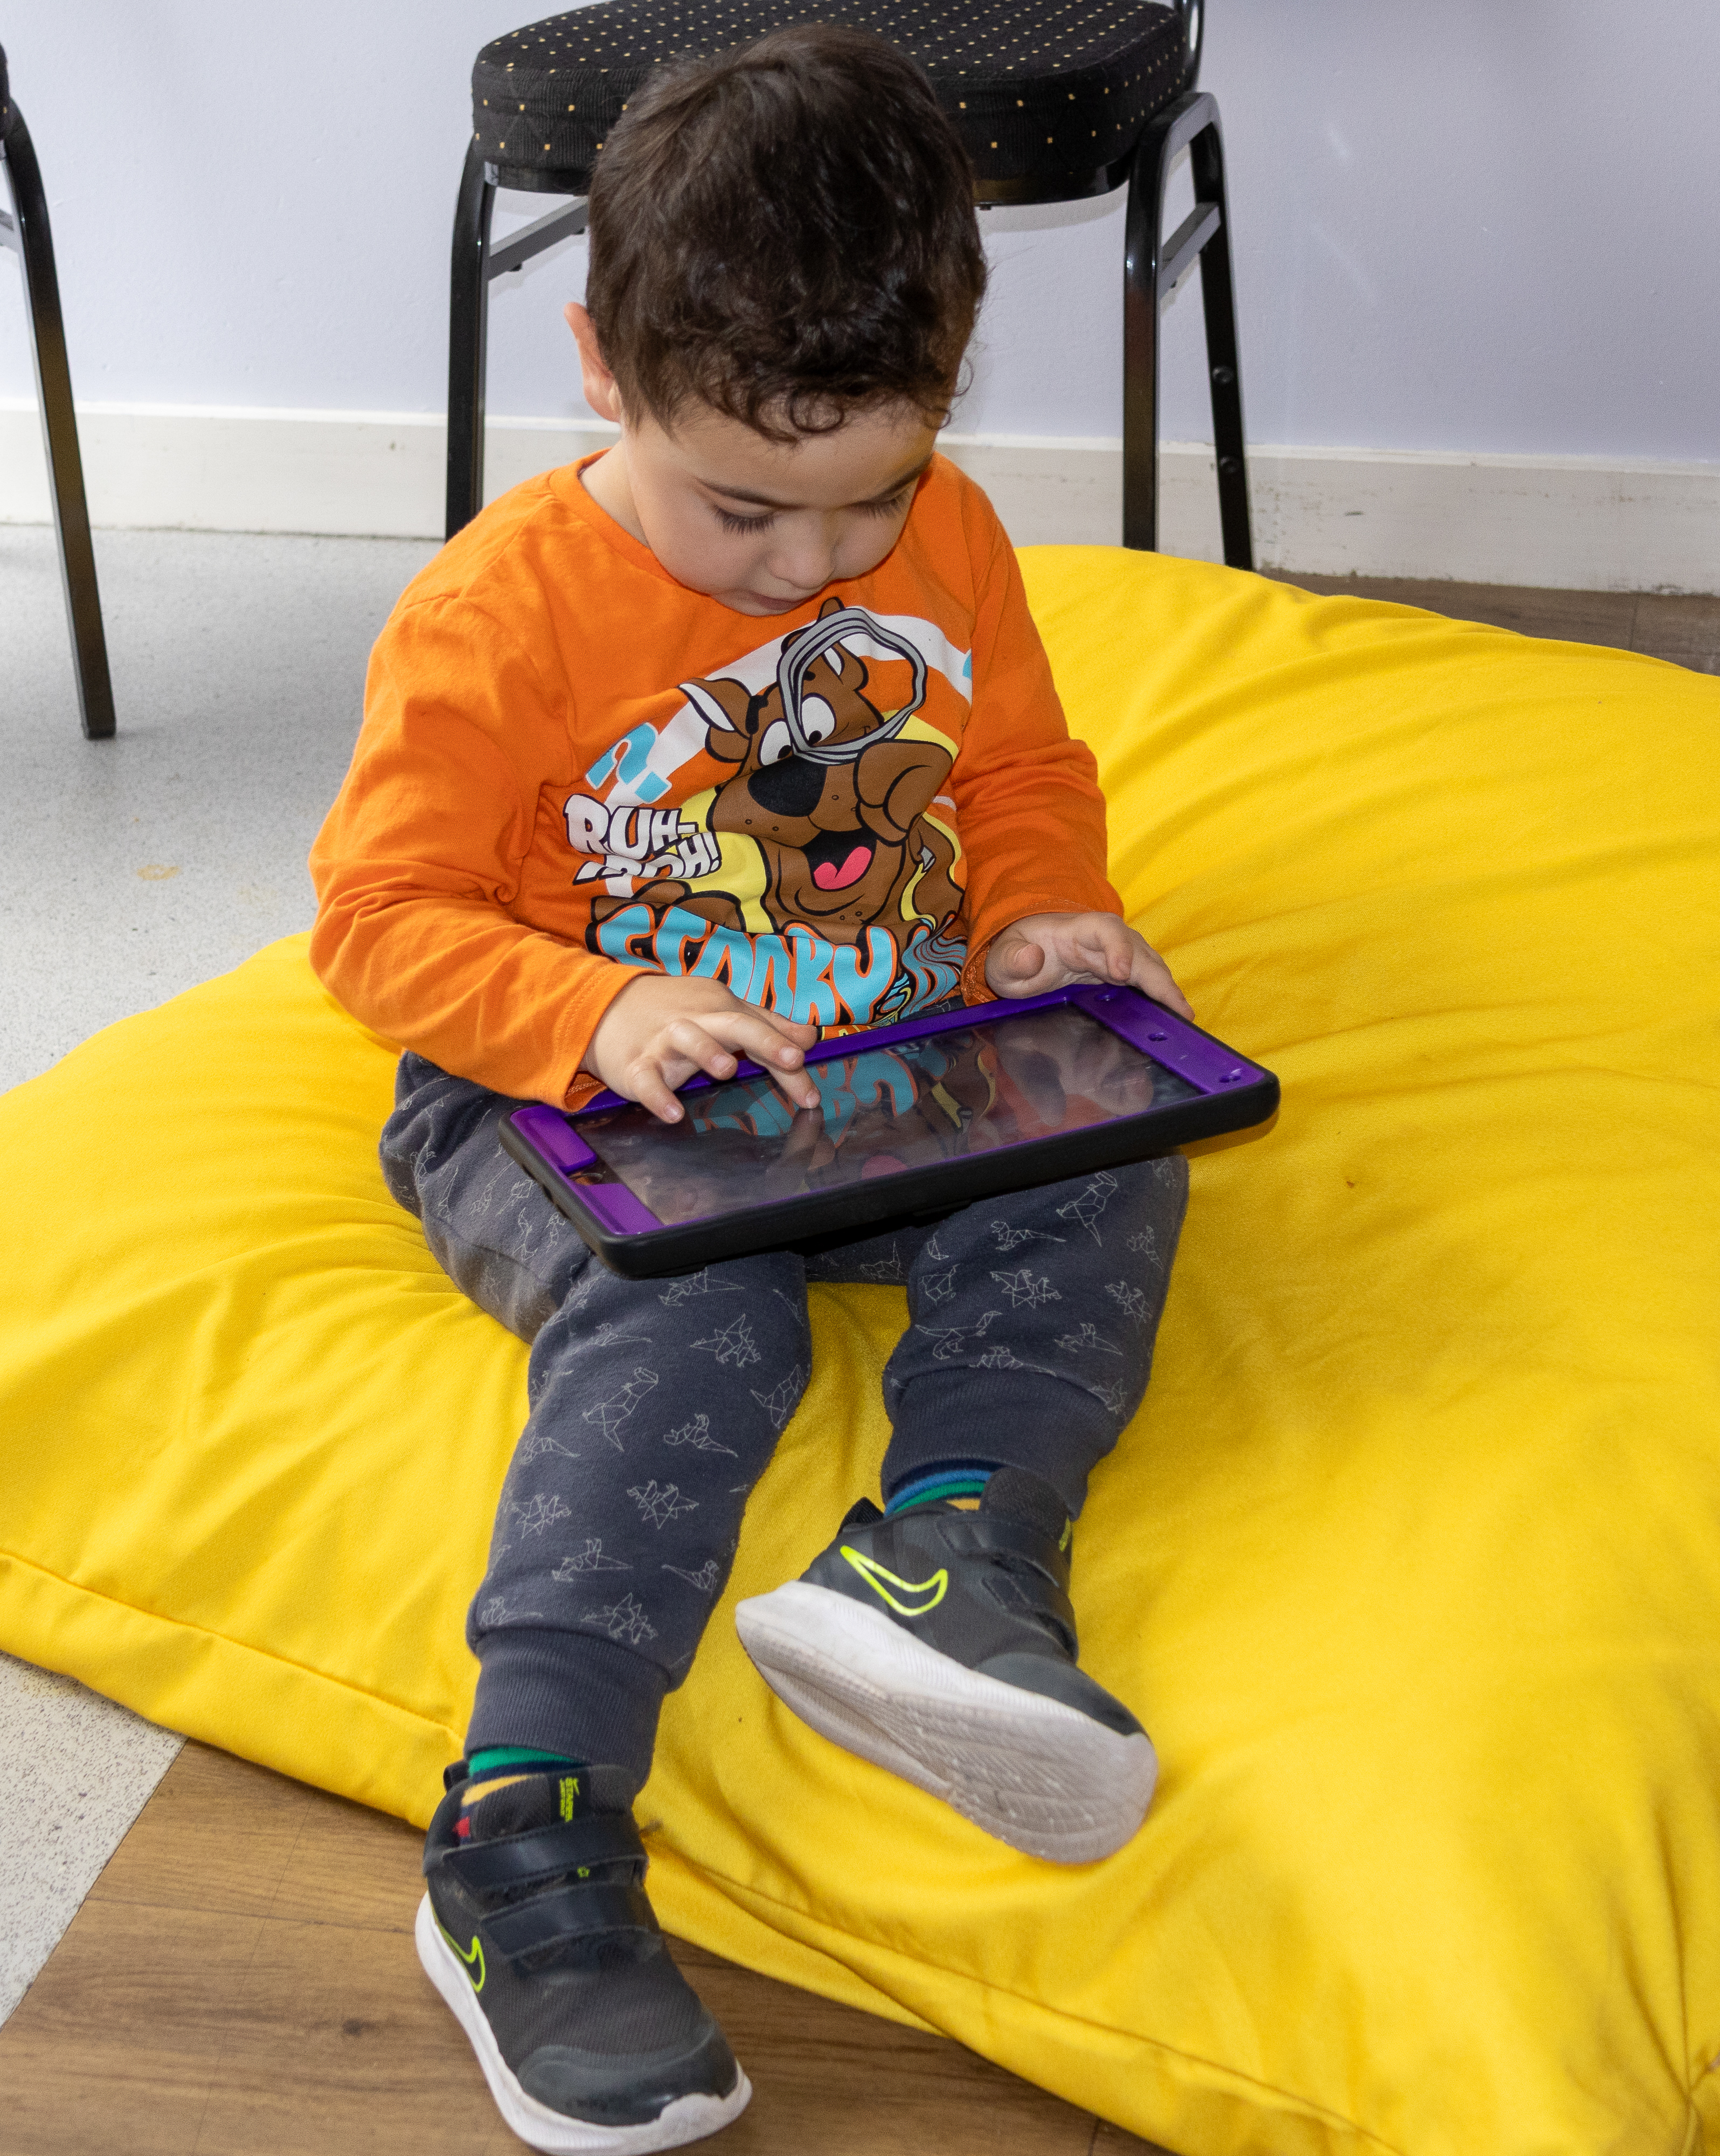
<point x="834" y="795"/>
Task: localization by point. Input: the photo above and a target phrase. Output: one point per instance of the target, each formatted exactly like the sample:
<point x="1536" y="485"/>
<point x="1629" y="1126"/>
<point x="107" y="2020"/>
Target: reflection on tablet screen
<point x="882" y="1112"/>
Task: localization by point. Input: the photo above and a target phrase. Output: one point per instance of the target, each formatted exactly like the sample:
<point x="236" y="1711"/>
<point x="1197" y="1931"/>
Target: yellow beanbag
<point x="1411" y="1562"/>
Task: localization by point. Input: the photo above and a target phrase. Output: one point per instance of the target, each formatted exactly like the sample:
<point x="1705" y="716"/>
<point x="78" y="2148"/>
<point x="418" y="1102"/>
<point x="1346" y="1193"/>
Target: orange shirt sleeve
<point x="1032" y="816"/>
<point x="419" y="861"/>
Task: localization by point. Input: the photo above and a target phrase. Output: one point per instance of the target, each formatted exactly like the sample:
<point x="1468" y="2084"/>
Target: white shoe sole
<point x="688" y="2118"/>
<point x="1040" y="1775"/>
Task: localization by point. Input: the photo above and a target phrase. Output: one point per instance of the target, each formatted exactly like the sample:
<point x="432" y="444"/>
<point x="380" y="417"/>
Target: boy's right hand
<point x="663" y="1028"/>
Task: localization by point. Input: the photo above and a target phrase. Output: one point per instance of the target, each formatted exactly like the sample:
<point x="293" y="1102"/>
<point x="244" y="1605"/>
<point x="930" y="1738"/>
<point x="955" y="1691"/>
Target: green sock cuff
<point x="511" y="1759"/>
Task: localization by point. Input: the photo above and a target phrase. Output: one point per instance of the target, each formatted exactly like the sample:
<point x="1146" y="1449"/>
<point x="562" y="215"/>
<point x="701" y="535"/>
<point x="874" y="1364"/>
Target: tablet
<point x="914" y="1121"/>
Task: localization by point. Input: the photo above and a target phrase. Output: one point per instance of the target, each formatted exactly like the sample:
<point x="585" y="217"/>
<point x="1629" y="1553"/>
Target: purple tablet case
<point x="1236" y="1094"/>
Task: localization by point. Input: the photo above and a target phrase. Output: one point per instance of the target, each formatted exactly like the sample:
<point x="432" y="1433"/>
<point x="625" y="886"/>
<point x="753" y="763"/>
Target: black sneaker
<point x="536" y="1931"/>
<point x="940" y="1644"/>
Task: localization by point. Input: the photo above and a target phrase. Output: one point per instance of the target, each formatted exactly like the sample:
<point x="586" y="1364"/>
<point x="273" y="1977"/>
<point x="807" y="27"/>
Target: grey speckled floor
<point x="130" y="870"/>
<point x="79" y="1770"/>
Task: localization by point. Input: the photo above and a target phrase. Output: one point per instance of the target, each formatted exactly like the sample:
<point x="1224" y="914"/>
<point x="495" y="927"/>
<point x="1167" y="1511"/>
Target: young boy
<point x="736" y="731"/>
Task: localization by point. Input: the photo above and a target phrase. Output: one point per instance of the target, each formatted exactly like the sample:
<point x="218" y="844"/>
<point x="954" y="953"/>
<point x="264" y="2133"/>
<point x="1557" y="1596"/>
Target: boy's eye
<point x="731" y="520"/>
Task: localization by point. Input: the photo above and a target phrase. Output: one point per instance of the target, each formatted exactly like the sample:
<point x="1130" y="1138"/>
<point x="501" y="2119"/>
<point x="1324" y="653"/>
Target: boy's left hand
<point x="1047" y="951"/>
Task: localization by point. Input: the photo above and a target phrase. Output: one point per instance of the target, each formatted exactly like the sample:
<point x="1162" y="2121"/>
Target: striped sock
<point x="497" y="1767"/>
<point x="513" y="1760"/>
<point x="960" y="1483"/>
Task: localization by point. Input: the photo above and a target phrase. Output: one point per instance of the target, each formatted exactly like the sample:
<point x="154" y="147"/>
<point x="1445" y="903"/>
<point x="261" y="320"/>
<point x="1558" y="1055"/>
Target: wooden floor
<point x="1686" y="631"/>
<point x="210" y="1998"/>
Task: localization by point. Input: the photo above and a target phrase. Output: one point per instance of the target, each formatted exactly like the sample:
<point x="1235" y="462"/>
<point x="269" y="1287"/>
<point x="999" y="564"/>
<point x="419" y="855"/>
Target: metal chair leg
<point x="1152" y="266"/>
<point x="467" y="341"/>
<point x="1223" y="367"/>
<point x="1140" y="346"/>
<point x="59" y="430"/>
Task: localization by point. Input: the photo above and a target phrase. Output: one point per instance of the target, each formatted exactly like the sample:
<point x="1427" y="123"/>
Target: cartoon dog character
<point x="826" y="786"/>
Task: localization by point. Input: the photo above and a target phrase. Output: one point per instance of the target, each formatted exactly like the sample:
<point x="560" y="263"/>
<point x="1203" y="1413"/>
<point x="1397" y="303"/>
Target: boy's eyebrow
<point x="771" y="501"/>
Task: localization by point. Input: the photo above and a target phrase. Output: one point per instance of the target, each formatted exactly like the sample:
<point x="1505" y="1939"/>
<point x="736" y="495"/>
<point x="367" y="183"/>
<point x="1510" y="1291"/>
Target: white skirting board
<point x="1579" y="523"/>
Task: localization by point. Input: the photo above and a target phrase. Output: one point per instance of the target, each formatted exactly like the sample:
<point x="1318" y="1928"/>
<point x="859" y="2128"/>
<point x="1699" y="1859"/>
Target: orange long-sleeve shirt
<point x="573" y="767"/>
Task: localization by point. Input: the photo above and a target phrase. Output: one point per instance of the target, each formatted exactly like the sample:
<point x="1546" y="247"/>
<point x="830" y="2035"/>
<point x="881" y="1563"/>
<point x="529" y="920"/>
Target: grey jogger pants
<point x="656" y="1405"/>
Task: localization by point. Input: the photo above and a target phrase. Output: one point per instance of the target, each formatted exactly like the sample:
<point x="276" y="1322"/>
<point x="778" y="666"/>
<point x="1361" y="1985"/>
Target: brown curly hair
<point x="786" y="233"/>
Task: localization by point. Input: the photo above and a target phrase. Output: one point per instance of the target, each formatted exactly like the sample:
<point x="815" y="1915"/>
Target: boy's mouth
<point x="838" y="859"/>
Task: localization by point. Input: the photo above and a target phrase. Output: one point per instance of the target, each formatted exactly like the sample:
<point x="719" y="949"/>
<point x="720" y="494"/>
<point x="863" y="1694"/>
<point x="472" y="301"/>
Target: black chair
<point x="1056" y="102"/>
<point x="26" y="230"/>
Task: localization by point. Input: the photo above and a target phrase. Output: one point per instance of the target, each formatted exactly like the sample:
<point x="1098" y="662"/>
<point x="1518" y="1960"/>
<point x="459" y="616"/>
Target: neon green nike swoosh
<point x="875" y="1574"/>
<point x="476" y="1954"/>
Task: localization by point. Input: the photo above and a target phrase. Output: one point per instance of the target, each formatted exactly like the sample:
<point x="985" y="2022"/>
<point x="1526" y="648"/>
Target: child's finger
<point x="1014" y="963"/>
<point x="794" y="1031"/>
<point x="796" y="1088"/>
<point x="738" y="1032"/>
<point x="1152" y="977"/>
<point x="1107" y="956"/>
<point x="751" y="1033"/>
<point x="1101" y="953"/>
<point x="698" y="1047"/>
<point x="651" y="1090"/>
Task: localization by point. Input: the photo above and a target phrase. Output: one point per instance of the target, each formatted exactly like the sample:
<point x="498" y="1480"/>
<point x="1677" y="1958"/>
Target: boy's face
<point x="761" y="525"/>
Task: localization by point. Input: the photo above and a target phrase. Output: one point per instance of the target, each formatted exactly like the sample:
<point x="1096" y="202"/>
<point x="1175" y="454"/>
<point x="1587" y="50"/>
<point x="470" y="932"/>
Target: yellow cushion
<point x="1411" y="1562"/>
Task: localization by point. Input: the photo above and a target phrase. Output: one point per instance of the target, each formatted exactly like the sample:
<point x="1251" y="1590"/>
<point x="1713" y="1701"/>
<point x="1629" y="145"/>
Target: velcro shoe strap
<point x="1044" y="1598"/>
<point x="982" y="1534"/>
<point x="568" y="1912"/>
<point x="545" y="1852"/>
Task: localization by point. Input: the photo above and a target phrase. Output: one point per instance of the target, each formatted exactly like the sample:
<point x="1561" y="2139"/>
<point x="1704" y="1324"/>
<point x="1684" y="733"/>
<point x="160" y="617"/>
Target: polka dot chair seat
<point x="1047" y="94"/>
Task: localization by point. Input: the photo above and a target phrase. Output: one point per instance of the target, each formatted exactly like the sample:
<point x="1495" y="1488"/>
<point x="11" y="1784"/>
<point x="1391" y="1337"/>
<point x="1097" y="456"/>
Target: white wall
<point x="1468" y="226"/>
<point x="1475" y="225"/>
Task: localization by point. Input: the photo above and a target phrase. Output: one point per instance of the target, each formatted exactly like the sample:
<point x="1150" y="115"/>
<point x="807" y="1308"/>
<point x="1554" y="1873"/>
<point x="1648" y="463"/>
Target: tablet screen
<point x="881" y="1111"/>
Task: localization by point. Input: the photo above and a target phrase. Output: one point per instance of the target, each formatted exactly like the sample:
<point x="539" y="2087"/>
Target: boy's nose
<point x="804" y="559"/>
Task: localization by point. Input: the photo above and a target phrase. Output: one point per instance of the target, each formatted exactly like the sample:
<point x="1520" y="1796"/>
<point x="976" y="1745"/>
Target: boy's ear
<point x="598" y="384"/>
